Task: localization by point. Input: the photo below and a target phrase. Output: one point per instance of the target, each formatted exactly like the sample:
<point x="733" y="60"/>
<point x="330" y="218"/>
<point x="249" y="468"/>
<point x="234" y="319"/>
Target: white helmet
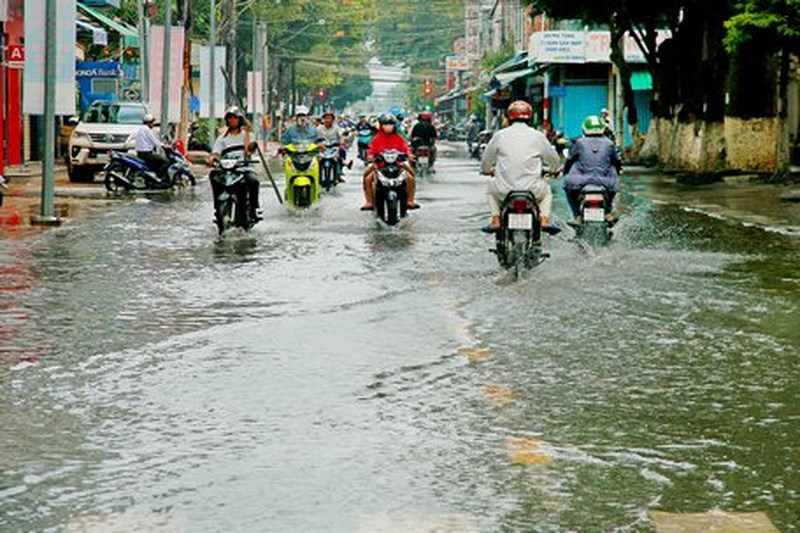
<point x="148" y="118"/>
<point x="301" y="110"/>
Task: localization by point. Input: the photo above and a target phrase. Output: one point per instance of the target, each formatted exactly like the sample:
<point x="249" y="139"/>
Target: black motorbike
<point x="595" y="205"/>
<point x="422" y="156"/>
<point x="519" y="239"/>
<point x="391" y="187"/>
<point x="125" y="172"/>
<point x="477" y="147"/>
<point x="329" y="168"/>
<point x="231" y="204"/>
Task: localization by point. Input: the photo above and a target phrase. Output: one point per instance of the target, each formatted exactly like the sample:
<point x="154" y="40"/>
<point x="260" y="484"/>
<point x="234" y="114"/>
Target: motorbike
<point x="124" y="172"/>
<point x="519" y="239"/>
<point x="364" y="138"/>
<point x="422" y="157"/>
<point x="301" y="170"/>
<point x="594" y="228"/>
<point x="231" y="206"/>
<point x="562" y="144"/>
<point x="3" y="188"/>
<point x="391" y="187"/>
<point x="478" y="146"/>
<point x="329" y="168"/>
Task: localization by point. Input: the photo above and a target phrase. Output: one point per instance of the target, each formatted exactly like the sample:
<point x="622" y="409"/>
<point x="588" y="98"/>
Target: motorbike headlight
<point x="228" y="164"/>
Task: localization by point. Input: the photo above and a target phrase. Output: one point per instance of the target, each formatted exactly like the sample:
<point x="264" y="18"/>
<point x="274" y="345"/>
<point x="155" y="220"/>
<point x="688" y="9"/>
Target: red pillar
<point x="14" y="143"/>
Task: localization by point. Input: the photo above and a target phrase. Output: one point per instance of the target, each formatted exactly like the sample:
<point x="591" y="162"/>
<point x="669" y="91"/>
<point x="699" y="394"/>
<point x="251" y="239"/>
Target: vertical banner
<point x="156" y="71"/>
<point x="205" y="81"/>
<point x="35" y="27"/>
<point x="255" y="91"/>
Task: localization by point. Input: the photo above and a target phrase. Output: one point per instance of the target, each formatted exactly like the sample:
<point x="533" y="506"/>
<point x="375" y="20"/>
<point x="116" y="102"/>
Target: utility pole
<point x="144" y="73"/>
<point x="187" y="75"/>
<point x="46" y="214"/>
<point x="212" y="38"/>
<point x="165" y="70"/>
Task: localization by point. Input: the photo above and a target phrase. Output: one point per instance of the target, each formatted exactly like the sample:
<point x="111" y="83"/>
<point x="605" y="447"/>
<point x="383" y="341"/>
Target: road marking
<point x="475" y="355"/>
<point x="499" y="395"/>
<point x="711" y="521"/>
<point x="527" y="451"/>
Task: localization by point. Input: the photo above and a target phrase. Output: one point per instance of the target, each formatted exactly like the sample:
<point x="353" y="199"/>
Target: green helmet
<point x="592" y="125"/>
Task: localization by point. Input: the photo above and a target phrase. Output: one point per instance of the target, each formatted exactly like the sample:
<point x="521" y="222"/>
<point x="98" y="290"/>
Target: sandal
<point x="367" y="208"/>
<point x="412" y="206"/>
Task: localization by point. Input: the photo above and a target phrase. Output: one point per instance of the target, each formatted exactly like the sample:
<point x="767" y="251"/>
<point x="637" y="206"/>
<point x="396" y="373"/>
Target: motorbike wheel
<point x="302" y="196"/>
<point x="117" y="178"/>
<point x="392" y="211"/>
<point x="227" y="213"/>
<point x="594" y="233"/>
<point x="327" y="178"/>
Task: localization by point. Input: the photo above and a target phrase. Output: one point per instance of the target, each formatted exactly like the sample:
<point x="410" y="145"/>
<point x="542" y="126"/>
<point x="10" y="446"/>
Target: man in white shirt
<point x="516" y="157"/>
<point x="148" y="147"/>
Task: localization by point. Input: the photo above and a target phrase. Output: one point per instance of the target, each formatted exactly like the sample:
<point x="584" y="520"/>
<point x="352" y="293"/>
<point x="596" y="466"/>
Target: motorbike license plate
<point x="593" y="214"/>
<point x="520" y="221"/>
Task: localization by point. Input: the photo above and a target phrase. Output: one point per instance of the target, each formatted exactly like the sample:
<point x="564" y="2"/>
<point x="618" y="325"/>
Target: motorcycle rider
<point x="329" y="135"/>
<point x="148" y="147"/>
<point x="237" y="134"/>
<point x="592" y="160"/>
<point x="515" y="157"/>
<point x="364" y="130"/>
<point x="387" y="138"/>
<point x="425" y="132"/>
<point x="301" y="131"/>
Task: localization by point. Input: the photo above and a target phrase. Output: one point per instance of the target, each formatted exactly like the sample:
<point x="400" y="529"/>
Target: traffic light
<point x="427" y="87"/>
<point x="323" y="94"/>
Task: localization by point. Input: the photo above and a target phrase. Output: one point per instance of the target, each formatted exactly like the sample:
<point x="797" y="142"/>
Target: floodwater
<point x="325" y="373"/>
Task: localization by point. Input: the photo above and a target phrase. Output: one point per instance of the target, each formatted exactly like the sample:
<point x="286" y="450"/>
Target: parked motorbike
<point x="124" y="172"/>
<point x="422" y="157"/>
<point x="301" y="170"/>
<point x="231" y="204"/>
<point x="391" y="186"/>
<point x="329" y="168"/>
<point x="519" y="239"/>
<point x="594" y="227"/>
<point x="3" y="188"/>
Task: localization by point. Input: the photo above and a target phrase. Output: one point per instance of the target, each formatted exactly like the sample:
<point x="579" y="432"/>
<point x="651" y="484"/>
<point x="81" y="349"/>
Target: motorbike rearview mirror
<point x="252" y="147"/>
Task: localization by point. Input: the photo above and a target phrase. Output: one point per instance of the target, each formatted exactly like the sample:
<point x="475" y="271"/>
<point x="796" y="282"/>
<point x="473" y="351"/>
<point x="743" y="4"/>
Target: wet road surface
<point x="325" y="373"/>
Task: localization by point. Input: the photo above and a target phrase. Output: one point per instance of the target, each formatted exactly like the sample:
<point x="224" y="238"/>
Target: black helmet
<point x="387" y="118"/>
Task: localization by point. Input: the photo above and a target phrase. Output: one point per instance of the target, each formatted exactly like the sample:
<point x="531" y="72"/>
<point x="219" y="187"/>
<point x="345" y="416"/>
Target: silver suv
<point x="105" y="126"/>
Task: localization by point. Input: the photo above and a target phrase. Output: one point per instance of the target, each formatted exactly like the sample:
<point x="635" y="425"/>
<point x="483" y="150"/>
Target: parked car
<point x="104" y="127"/>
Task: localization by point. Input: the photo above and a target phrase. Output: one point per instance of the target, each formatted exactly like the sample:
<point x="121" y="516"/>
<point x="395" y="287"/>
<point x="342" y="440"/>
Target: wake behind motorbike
<point x="519" y="239"/>
<point x="229" y="187"/>
<point x="125" y="172"/>
<point x="330" y="169"/>
<point x="594" y="227"/>
<point x="301" y="169"/>
<point x="391" y="186"/>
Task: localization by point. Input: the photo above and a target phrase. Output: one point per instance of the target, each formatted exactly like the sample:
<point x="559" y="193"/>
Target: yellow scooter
<point x="301" y="169"/>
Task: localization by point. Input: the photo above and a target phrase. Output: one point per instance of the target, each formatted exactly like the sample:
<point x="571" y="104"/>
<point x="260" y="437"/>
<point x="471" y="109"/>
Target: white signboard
<point x="558" y="47"/>
<point x="456" y="63"/>
<point x="598" y="47"/>
<point x="3" y="10"/>
<point x="255" y="92"/>
<point x="205" y="81"/>
<point x="34" y="75"/>
<point x="156" y="68"/>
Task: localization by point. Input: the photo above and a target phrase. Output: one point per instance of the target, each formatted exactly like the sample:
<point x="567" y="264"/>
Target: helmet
<point x="301" y="110"/>
<point x="148" y="119"/>
<point x="233" y="111"/>
<point x="387" y="118"/>
<point x="604" y="111"/>
<point x="426" y="115"/>
<point x="520" y="110"/>
<point x="593" y="125"/>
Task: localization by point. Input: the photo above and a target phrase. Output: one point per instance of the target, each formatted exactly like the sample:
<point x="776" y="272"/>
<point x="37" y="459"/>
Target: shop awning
<point x="99" y="35"/>
<point x="519" y="60"/>
<point x="641" y="81"/>
<point x="128" y="34"/>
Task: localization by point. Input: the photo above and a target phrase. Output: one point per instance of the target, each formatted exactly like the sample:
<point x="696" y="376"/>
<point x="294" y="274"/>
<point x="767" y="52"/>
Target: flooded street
<point x="325" y="373"/>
